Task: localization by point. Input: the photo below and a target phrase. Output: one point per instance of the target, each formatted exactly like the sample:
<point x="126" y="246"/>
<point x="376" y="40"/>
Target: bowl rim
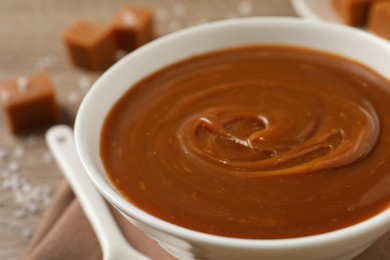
<point x="376" y="222"/>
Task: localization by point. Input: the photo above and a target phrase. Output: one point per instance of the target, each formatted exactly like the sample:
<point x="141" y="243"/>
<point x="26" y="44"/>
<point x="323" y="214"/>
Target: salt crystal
<point x="162" y="14"/>
<point x="22" y="83"/>
<point x="47" y="200"/>
<point x="50" y="59"/>
<point x="16" y="182"/>
<point x="19" y="198"/>
<point x="47" y="157"/>
<point x="44" y="62"/>
<point x="20" y="213"/>
<point x="35" y="194"/>
<point x="40" y="65"/>
<point x="129" y="19"/>
<point x="32" y="140"/>
<point x="27" y="233"/>
<point x="34" y="209"/>
<point x="26" y="187"/>
<point x="179" y="9"/>
<point x="13" y="167"/>
<point x="4" y="95"/>
<point x="6" y="184"/>
<point x="73" y="97"/>
<point x="19" y="152"/>
<point x="3" y="154"/>
<point x="84" y="83"/>
<point x="245" y="8"/>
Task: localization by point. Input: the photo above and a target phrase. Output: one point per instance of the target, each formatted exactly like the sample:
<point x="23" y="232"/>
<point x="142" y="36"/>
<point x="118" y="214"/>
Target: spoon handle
<point x="61" y="143"/>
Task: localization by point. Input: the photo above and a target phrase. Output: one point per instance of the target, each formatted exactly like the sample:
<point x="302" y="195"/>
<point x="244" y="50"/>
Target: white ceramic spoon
<point x="114" y="246"/>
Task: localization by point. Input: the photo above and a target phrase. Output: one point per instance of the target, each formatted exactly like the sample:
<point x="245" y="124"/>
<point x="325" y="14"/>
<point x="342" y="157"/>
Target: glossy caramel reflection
<point x="256" y="142"/>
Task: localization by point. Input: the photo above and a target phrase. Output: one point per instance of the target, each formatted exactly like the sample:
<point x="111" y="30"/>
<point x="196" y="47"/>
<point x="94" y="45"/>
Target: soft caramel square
<point x="133" y="27"/>
<point x="379" y="19"/>
<point x="353" y="12"/>
<point x="29" y="102"/>
<point x="90" y="45"/>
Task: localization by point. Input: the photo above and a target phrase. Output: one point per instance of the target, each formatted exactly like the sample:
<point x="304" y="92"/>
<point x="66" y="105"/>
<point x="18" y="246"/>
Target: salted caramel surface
<point x="257" y="142"/>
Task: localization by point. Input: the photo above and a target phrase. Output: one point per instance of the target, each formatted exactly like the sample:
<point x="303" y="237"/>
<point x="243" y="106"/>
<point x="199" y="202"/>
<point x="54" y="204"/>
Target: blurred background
<point x="30" y="42"/>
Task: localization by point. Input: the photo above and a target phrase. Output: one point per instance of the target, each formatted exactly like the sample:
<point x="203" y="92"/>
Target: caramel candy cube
<point x="133" y="27"/>
<point x="353" y="12"/>
<point x="90" y="46"/>
<point x="379" y="19"/>
<point x="29" y="102"/>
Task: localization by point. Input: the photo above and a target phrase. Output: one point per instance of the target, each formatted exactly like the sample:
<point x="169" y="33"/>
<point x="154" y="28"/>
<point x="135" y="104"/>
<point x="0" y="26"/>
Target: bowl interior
<point x="352" y="43"/>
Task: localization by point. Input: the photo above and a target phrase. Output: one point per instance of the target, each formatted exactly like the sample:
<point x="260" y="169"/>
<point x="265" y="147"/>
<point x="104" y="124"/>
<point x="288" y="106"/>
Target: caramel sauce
<point x="257" y="142"/>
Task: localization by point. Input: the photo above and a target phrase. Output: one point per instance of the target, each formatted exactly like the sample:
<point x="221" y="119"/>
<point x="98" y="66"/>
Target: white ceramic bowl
<point x="187" y="244"/>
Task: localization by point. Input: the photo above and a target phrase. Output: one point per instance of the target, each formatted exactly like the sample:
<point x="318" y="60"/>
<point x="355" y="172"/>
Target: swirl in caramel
<point x="255" y="136"/>
<point x="255" y="142"/>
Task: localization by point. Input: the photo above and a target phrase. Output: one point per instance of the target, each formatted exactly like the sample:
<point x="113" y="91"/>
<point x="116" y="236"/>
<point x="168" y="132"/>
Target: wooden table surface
<point x="30" y="41"/>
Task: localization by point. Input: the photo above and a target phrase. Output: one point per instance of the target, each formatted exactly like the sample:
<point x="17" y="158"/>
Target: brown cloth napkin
<point x="65" y="233"/>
